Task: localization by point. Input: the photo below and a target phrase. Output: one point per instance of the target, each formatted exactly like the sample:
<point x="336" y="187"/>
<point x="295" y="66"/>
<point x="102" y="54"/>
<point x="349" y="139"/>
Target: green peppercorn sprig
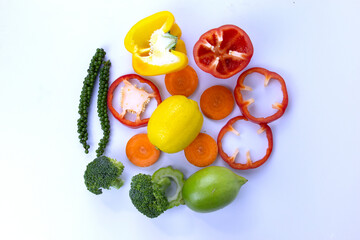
<point x="102" y="107"/>
<point x="85" y="97"/>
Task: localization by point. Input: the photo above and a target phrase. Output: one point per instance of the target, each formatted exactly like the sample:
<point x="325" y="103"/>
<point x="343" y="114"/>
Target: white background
<point x="309" y="188"/>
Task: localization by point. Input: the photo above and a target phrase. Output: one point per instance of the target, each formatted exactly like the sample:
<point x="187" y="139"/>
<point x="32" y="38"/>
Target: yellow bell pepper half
<point x="156" y="45"/>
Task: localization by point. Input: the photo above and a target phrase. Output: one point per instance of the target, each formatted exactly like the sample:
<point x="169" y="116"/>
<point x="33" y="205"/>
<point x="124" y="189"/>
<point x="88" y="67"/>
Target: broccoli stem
<point x="117" y="183"/>
<point x="164" y="183"/>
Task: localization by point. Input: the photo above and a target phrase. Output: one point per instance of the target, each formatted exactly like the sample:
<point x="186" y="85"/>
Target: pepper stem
<point x="172" y="44"/>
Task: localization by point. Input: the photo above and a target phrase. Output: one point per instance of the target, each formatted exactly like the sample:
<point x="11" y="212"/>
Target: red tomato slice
<point x="223" y="51"/>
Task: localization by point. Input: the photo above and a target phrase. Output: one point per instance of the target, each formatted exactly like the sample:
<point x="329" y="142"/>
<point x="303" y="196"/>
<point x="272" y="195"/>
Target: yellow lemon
<point x="174" y="124"/>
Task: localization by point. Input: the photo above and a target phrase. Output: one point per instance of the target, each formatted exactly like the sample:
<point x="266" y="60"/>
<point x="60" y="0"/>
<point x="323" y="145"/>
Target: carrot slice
<point x="217" y="102"/>
<point x="141" y="152"/>
<point x="202" y="151"/>
<point x="183" y="82"/>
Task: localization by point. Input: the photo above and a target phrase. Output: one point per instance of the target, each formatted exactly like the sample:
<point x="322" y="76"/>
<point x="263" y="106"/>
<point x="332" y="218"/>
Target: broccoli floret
<point x="147" y="197"/>
<point x="103" y="172"/>
<point x="148" y="193"/>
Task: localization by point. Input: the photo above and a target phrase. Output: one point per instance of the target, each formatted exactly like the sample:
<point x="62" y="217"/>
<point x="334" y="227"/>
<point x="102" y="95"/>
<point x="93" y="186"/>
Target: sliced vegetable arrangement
<point x="183" y="82"/>
<point x="176" y="122"/>
<point x="156" y="45"/>
<point x="133" y="100"/>
<point x="141" y="152"/>
<point x="244" y="104"/>
<point x="223" y="51"/>
<point x="217" y="102"/>
<point x="250" y="163"/>
<point x="202" y="151"/>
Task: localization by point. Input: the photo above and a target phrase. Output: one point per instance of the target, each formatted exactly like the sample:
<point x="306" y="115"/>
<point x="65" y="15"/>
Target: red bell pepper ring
<point x="243" y="104"/>
<point x="133" y="100"/>
<point x="223" y="51"/>
<point x="250" y="163"/>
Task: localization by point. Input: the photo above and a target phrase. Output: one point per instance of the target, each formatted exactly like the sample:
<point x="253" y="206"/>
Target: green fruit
<point x="211" y="188"/>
